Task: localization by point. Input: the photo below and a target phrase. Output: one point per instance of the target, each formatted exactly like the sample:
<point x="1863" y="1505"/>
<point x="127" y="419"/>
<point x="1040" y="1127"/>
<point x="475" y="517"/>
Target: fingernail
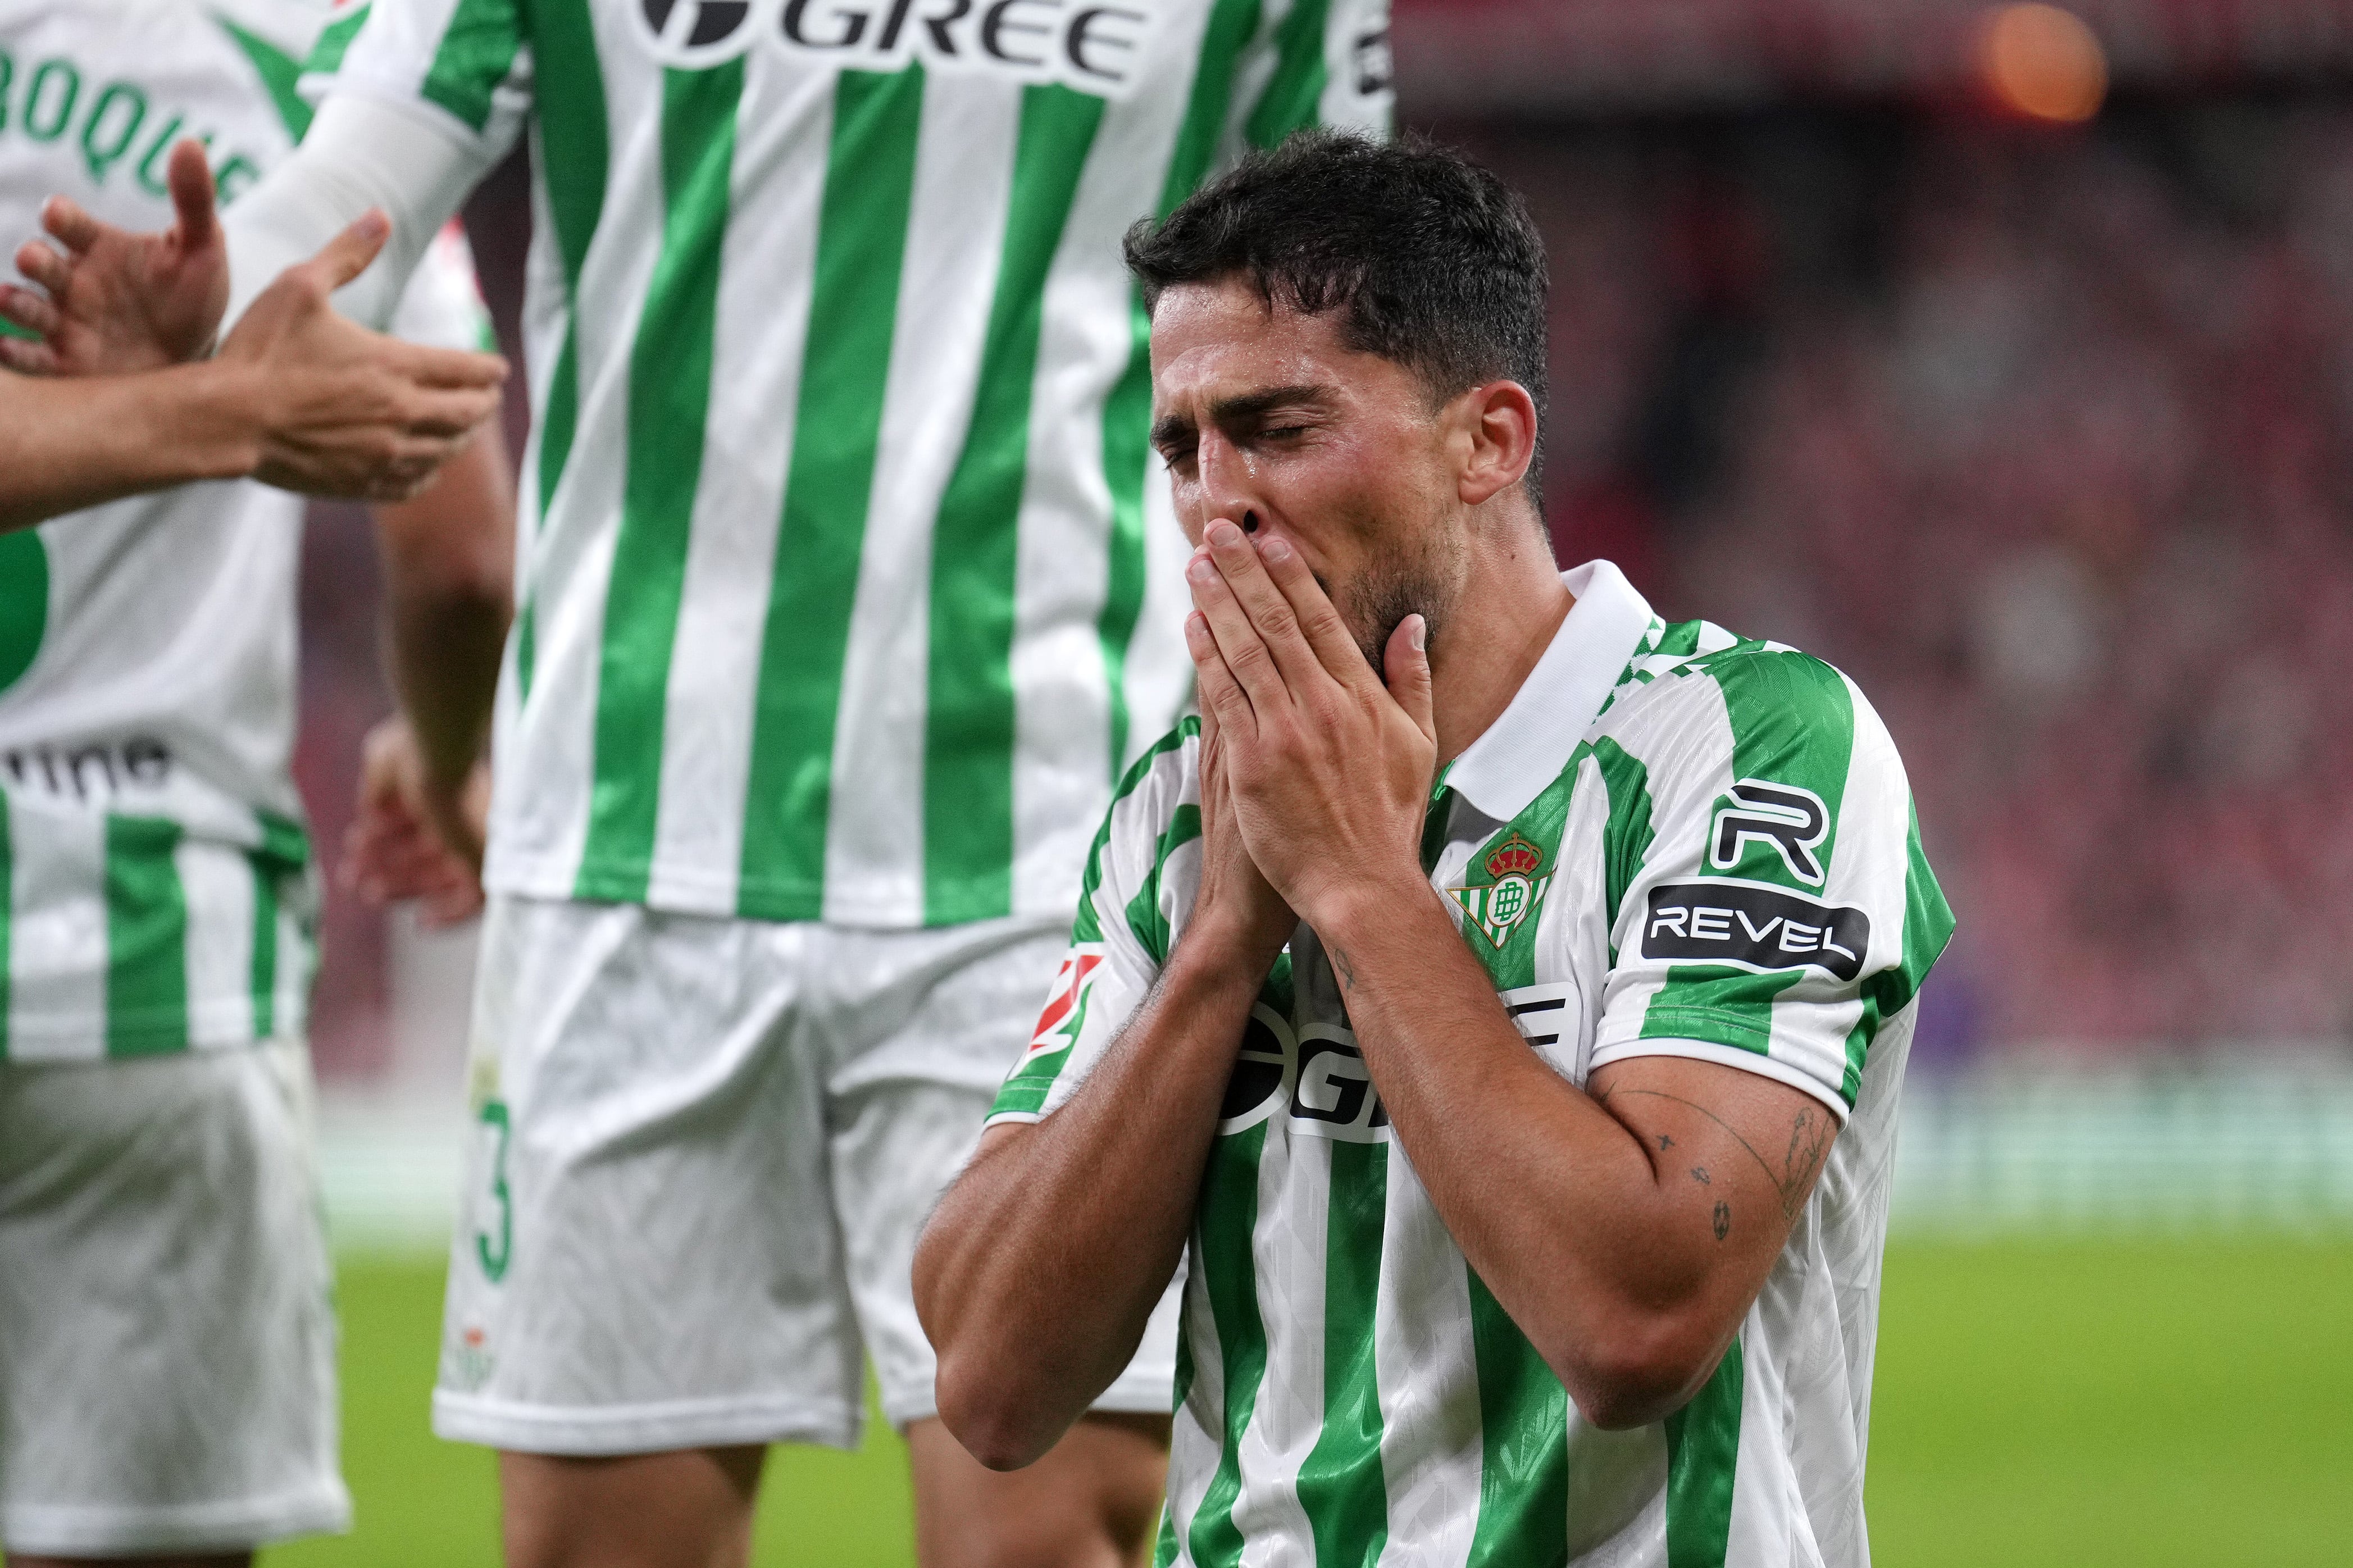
<point x="1202" y="571"/>
<point x="1225" y="534"/>
<point x="1420" y="632"/>
<point x="1275" y="548"/>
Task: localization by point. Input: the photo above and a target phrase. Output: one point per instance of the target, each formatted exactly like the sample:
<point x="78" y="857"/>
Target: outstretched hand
<point x="1327" y="762"/>
<point x="354" y="414"/>
<point x="117" y="301"/>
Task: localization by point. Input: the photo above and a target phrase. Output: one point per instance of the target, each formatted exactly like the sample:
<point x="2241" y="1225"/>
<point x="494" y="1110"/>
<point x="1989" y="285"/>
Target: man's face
<point x="1267" y="420"/>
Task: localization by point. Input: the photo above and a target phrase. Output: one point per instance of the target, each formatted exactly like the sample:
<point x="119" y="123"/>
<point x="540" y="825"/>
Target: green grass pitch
<point x="2055" y="1401"/>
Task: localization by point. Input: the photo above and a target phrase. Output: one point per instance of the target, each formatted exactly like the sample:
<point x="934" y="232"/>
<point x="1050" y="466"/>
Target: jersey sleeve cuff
<point x="1723" y="1056"/>
<point x="1011" y="1119"/>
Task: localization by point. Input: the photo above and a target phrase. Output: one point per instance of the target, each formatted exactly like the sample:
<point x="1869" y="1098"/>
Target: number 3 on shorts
<point x="494" y="1263"/>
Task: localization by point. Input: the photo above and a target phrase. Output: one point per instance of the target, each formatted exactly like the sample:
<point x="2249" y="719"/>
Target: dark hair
<point x="1432" y="261"/>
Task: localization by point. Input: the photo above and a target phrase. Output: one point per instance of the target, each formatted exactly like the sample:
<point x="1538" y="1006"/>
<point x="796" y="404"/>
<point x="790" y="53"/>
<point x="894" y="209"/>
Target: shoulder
<point x="1156" y="797"/>
<point x="1702" y="693"/>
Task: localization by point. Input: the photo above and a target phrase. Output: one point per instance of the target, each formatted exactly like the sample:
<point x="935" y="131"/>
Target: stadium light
<point x="2043" y="63"/>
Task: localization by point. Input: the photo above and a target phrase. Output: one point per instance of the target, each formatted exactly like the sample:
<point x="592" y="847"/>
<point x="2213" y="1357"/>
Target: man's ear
<point x="1500" y="420"/>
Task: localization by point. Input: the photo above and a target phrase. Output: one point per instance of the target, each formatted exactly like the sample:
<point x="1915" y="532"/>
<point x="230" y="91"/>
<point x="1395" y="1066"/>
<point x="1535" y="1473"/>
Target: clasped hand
<point x="1315" y="769"/>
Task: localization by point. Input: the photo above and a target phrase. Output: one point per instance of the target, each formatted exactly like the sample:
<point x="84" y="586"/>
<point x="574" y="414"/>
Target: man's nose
<point x="1229" y="489"/>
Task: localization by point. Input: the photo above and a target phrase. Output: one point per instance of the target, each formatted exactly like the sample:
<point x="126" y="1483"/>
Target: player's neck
<point x="1512" y="604"/>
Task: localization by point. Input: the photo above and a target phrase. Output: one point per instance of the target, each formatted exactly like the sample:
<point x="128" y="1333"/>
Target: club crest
<point x="1513" y="890"/>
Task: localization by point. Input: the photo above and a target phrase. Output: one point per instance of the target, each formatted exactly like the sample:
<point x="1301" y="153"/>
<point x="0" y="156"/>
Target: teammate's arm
<point x="1078" y="1220"/>
<point x="297" y="397"/>
<point x="1625" y="1230"/>
<point x="449" y="561"/>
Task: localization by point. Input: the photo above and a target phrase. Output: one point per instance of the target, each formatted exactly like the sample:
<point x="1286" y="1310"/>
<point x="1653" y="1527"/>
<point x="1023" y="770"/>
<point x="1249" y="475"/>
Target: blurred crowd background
<point x="2002" y="356"/>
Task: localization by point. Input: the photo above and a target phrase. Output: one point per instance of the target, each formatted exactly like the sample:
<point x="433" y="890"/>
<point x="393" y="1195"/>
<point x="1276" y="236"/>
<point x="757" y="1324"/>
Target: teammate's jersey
<point x="1672" y="843"/>
<point x="153" y="891"/>
<point x="845" y="589"/>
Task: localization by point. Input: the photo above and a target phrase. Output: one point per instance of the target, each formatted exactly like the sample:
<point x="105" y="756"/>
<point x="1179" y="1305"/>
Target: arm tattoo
<point x="1341" y="966"/>
<point x="1723" y="1220"/>
<point x="1810" y="1131"/>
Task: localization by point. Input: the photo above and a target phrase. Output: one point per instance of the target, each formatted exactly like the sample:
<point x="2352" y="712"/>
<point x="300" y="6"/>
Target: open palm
<point x="117" y="302"/>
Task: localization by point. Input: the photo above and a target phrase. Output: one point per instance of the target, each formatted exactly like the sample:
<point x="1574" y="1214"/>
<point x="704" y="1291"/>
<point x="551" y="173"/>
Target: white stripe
<point x="545" y="805"/>
<point x="216" y="888"/>
<point x="1159" y="673"/>
<point x="1287" y="1251"/>
<point x="1062" y="768"/>
<point x="964" y="180"/>
<point x="1200" y="1434"/>
<point x="56" y="935"/>
<point x="1765" y="1520"/>
<point x="1429" y="1378"/>
<point x="769" y="266"/>
<point x="298" y="957"/>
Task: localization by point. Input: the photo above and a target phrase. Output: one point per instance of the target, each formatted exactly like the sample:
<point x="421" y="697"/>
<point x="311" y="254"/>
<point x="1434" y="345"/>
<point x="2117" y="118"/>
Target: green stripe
<point x="327" y="51"/>
<point x="24" y="602"/>
<point x="1296" y="88"/>
<point x="1703" y="1448"/>
<point x="1793" y="721"/>
<point x="968" y="731"/>
<point x="1228" y="1214"/>
<point x="1127" y="417"/>
<point x="7" y="909"/>
<point x="146" y="939"/>
<point x="1626" y="837"/>
<point x="278" y="71"/>
<point x="572" y="157"/>
<point x="1145" y="916"/>
<point x="1927" y="927"/>
<point x="476" y="51"/>
<point x="264" y="979"/>
<point x="1127" y="409"/>
<point x="1679" y="640"/>
<point x="1340" y="1489"/>
<point x="669" y="393"/>
<point x="1523" y="1443"/>
<point x="861" y="241"/>
<point x="1719" y="1005"/>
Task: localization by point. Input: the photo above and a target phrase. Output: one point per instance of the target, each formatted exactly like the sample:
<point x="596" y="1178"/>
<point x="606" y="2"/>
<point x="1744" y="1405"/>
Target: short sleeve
<point x="470" y="59"/>
<point x="1778" y="908"/>
<point x="1143" y="867"/>
<point x="442" y="306"/>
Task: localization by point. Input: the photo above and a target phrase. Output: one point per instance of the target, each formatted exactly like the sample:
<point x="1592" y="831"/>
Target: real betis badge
<point x="1512" y="890"/>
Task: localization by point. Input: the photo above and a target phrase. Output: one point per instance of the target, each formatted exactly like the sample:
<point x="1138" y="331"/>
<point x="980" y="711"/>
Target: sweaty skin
<point x="1626" y="1227"/>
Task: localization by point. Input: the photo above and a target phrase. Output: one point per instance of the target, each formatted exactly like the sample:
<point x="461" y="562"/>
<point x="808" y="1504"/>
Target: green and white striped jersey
<point x="845" y="585"/>
<point x="1673" y="842"/>
<point x="155" y="893"/>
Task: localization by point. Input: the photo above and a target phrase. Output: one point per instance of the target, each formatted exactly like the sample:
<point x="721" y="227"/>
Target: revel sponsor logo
<point x="1750" y="926"/>
<point x="1096" y="47"/>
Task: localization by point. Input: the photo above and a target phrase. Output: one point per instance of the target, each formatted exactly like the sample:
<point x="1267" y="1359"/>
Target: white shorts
<point x="704" y="1149"/>
<point x="167" y="1338"/>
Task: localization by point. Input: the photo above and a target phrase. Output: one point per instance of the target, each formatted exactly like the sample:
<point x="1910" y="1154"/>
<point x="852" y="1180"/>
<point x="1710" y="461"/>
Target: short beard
<point x="1406" y="583"/>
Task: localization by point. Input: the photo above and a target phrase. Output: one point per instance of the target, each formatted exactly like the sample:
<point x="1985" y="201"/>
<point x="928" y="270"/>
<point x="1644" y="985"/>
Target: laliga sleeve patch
<point x="1749" y="926"/>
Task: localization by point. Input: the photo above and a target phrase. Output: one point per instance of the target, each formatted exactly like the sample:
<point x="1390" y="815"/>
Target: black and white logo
<point x="1314" y="1075"/>
<point x="697" y="33"/>
<point x="1750" y="926"/>
<point x="1370" y="55"/>
<point x="1790" y="819"/>
<point x="1096" y="47"/>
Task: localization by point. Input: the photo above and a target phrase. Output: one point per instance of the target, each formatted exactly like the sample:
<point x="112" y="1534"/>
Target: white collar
<point x="1532" y="740"/>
